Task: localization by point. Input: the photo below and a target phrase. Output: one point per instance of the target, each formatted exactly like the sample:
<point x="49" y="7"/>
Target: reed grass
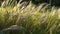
<point x="42" y="19"/>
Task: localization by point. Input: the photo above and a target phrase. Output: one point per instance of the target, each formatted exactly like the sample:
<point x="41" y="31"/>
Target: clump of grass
<point x="35" y="20"/>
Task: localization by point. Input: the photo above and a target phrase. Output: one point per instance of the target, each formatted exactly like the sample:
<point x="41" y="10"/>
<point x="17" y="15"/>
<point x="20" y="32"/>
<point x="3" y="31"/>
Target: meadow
<point x="42" y="19"/>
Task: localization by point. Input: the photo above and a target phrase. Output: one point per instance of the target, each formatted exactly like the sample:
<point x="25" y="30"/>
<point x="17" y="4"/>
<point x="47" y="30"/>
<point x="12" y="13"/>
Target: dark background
<point x="52" y="2"/>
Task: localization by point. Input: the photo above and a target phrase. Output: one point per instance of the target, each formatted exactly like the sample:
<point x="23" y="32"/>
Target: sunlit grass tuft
<point x="35" y="19"/>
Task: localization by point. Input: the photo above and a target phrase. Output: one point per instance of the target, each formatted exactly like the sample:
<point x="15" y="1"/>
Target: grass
<point x="35" y="20"/>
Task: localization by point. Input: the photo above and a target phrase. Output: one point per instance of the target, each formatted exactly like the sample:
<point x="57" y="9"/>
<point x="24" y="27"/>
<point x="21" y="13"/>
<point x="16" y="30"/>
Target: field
<point x="43" y="19"/>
